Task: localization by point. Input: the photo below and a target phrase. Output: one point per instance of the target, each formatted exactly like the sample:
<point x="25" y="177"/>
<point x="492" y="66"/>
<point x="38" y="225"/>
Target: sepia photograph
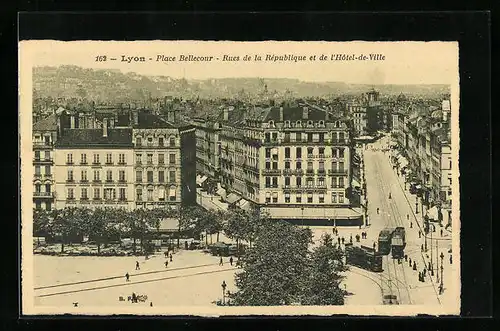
<point x="210" y="178"/>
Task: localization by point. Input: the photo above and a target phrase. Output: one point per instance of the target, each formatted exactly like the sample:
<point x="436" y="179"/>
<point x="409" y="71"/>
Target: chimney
<point x="226" y="114"/>
<point x="327" y="114"/>
<point x="281" y="114"/>
<point x="170" y="116"/>
<point x="135" y="113"/>
<point x="105" y="127"/>
<point x="305" y="113"/>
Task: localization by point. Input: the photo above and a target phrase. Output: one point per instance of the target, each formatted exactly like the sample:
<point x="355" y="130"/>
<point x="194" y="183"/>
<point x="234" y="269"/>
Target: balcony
<point x="321" y="172"/>
<point x="70" y="163"/>
<point x="70" y="180"/>
<point x="96" y="163"/>
<point x="310" y="172"/>
<point x="271" y="171"/>
<point x="138" y="180"/>
<point x="83" y="163"/>
<point x="122" y="181"/>
<point x="97" y="199"/>
<point x="38" y="176"/>
<point x="109" y="163"/>
<point x="43" y="160"/>
<point x="122" y="163"/>
<point x="109" y="181"/>
<point x="84" y="181"/>
<point x="43" y="194"/>
<point x="337" y="171"/>
<point x="43" y="144"/>
<point x="96" y="181"/>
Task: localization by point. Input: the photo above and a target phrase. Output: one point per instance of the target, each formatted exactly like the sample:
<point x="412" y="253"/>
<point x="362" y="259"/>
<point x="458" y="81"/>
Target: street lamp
<point x="416" y="206"/>
<point x="223" y="285"/>
<point x="442" y="257"/>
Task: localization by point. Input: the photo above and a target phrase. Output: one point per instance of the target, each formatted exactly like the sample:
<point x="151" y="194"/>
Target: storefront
<point x="317" y="216"/>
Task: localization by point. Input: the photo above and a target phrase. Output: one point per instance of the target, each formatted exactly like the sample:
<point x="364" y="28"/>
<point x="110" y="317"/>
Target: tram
<point x="363" y="257"/>
<point x="398" y="243"/>
<point x="384" y="241"/>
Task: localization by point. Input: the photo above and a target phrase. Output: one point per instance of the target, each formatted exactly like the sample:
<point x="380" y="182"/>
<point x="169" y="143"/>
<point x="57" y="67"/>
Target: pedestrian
<point x="151" y="304"/>
<point x="166" y="254"/>
<point x="411" y="225"/>
<point x="389" y="195"/>
<point x="422" y="248"/>
<point x="407" y="217"/>
<point x="220" y="261"/>
<point x="231" y="260"/>
<point x="406" y="258"/>
<point x="441" y="232"/>
<point x="357" y="238"/>
<point x="414" y="266"/>
<point x="419" y="276"/>
<point x="409" y="260"/>
<point x="127" y="277"/>
<point x="166" y="263"/>
<point x="425" y="272"/>
<point x="137" y="267"/>
<point x="350" y="239"/>
<point x="451" y="259"/>
<point x="343" y="240"/>
<point x="374" y="244"/>
<point x="419" y="234"/>
<point x="170" y="257"/>
<point x="378" y="210"/>
<point x="338" y="239"/>
<point x="429" y="265"/>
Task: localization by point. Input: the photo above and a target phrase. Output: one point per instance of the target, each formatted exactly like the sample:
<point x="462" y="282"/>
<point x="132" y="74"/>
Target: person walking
<point x="441" y="232"/>
<point x="343" y="240"/>
<point x="409" y="261"/>
<point x="407" y="217"/>
<point x="338" y="239"/>
<point x="419" y="234"/>
<point x="166" y="254"/>
<point x="378" y="210"/>
<point x="411" y="225"/>
<point x="170" y="257"/>
<point x="422" y="248"/>
<point x="220" y="261"/>
<point x="451" y="259"/>
<point x="231" y="260"/>
<point x="127" y="277"/>
<point x="166" y="263"/>
<point x="374" y="245"/>
<point x="414" y="266"/>
<point x="137" y="267"/>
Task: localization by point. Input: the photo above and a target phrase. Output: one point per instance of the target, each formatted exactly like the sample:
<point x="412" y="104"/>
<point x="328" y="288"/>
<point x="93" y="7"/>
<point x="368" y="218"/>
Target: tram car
<point x="384" y="241"/>
<point x="398" y="243"/>
<point x="363" y="257"/>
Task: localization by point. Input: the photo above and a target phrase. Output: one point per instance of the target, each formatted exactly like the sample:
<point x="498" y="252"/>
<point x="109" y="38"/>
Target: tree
<point x="274" y="269"/>
<point x="64" y="223"/>
<point x="322" y="286"/>
<point x="96" y="224"/>
<point x="41" y="219"/>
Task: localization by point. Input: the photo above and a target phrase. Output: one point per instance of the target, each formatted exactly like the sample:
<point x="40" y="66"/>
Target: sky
<point x="404" y="62"/>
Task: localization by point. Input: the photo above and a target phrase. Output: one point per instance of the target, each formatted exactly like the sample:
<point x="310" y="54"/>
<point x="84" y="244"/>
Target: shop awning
<point x="244" y="204"/>
<point x="232" y="198"/>
<point x="433" y="214"/>
<point x="169" y="225"/>
<point x="315" y="213"/>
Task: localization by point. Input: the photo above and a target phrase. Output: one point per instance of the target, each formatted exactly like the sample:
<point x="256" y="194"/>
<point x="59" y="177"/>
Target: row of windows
<point x="161" y="158"/>
<point x="298" y="137"/>
<point x="150" y="142"/>
<point x="161" y="194"/>
<point x="336" y="182"/>
<point x="160" y="176"/>
<point x="96" y="158"/>
<point x="310" y="123"/>
<point x="107" y="193"/>
<point x="335" y="152"/>
<point x="38" y="155"/>
<point x="338" y="166"/>
<point x="337" y="197"/>
<point x="38" y="170"/>
<point x="96" y="175"/>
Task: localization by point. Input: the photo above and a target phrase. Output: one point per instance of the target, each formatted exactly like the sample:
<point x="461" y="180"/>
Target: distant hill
<point x="113" y="85"/>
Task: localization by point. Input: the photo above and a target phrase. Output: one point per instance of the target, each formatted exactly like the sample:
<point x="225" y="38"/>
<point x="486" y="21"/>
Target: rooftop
<point x="47" y="124"/>
<point x="85" y="138"/>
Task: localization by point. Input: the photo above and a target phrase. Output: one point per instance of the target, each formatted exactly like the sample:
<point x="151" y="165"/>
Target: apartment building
<point x="94" y="167"/>
<point x="292" y="161"/>
<point x="44" y="136"/>
<point x="164" y="162"/>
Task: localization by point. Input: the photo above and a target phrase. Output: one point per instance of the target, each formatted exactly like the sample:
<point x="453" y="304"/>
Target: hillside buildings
<point x="292" y="161"/>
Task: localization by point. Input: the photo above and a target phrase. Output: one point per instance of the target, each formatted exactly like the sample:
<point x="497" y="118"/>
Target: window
<point x="37" y="171"/>
<point x="321" y="166"/>
<point x="83" y="159"/>
<point x="309" y="137"/>
<point x="287" y="181"/>
<point x="275" y="197"/>
<point x="138" y="176"/>
<point x="298" y="180"/>
<point x="298" y="198"/>
<point x="121" y="158"/>
<point x="341" y="197"/>
<point x="84" y="175"/>
<point x="47" y="155"/>
<point x="121" y="175"/>
<point x="122" y="194"/>
<point x="97" y="175"/>
<point x="109" y="175"/>
<point x="84" y="195"/>
<point x="172" y="141"/>
<point x="48" y="206"/>
<point x="309" y="123"/>
<point x="69" y="158"/>
<point x="38" y="188"/>
<point x="287" y="124"/>
<point x="96" y="159"/>
<point x="334" y="165"/>
<point x="161" y="194"/>
<point x="138" y="194"/>
<point x="172" y="176"/>
<point x="172" y="194"/>
<point x="275" y="181"/>
<point x="268" y="153"/>
<point x="268" y="197"/>
<point x="138" y="158"/>
<point x="150" y="176"/>
<point x="298" y="136"/>
<point x="310" y="152"/>
<point x="70" y="175"/>
<point x="309" y="166"/>
<point x="287" y="164"/>
<point x="268" y="181"/>
<point x="161" y="158"/>
<point x="341" y="182"/>
<point x="450" y="164"/>
<point x="321" y="152"/>
<point x="160" y="142"/>
<point x="321" y="182"/>
<point x="299" y="152"/>
<point x="150" y="194"/>
<point x="287" y="197"/>
<point x="287" y="152"/>
<point x="37" y="155"/>
<point x="109" y="158"/>
<point x="321" y="198"/>
<point x="71" y="193"/>
<point x="138" y="141"/>
<point x="171" y="158"/>
<point x="341" y="136"/>
<point x="47" y="171"/>
<point x="334" y="197"/>
<point x="321" y="137"/>
<point x="309" y="197"/>
<point x="449" y="180"/>
<point x="341" y="152"/>
<point x="275" y="165"/>
<point x="109" y="194"/>
<point x="341" y="166"/>
<point x="267" y="137"/>
<point x="150" y="158"/>
<point x="38" y="205"/>
<point x="310" y="182"/>
<point x="287" y="137"/>
<point x="271" y="123"/>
